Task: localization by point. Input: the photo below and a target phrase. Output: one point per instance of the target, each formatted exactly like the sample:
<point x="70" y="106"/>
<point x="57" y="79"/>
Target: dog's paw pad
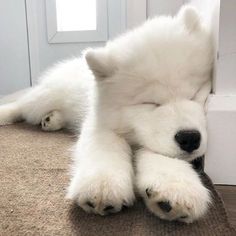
<point x="101" y="207"/>
<point x="172" y="203"/>
<point x="148" y="192"/>
<point x="108" y="208"/>
<point x="164" y="206"/>
<point x="52" y="121"/>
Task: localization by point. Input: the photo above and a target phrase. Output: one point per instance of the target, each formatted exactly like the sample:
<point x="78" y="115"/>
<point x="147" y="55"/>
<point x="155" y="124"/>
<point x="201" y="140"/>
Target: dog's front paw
<point x="177" y="200"/>
<point x="52" y="121"/>
<point x="170" y="187"/>
<point x="102" y="193"/>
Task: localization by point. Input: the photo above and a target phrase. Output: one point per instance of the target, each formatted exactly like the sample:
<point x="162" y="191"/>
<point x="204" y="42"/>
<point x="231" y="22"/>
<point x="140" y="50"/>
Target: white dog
<point x="148" y="87"/>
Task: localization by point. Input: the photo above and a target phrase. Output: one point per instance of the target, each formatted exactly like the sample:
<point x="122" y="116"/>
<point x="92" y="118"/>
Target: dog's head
<point x="165" y="57"/>
<point x="176" y="129"/>
<point x="161" y="71"/>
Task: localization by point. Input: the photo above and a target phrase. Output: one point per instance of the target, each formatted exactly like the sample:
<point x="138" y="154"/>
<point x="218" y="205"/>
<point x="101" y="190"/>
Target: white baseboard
<point x="220" y="161"/>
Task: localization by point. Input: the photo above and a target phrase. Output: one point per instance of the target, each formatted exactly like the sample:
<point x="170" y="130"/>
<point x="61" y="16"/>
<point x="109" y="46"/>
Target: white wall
<point x="220" y="160"/>
<point x="14" y="61"/>
<point x="158" y="7"/>
<point x="226" y="68"/>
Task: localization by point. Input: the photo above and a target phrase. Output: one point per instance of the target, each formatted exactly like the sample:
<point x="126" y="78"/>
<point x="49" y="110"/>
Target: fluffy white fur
<point x="141" y="88"/>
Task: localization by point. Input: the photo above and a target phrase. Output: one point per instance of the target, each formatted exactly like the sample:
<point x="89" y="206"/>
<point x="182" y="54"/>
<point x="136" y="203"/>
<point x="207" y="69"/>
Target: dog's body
<point x="147" y="87"/>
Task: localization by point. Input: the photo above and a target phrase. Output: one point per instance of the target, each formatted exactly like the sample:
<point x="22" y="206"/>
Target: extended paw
<point x="177" y="201"/>
<point x="52" y="121"/>
<point x="101" y="194"/>
<point x="170" y="187"/>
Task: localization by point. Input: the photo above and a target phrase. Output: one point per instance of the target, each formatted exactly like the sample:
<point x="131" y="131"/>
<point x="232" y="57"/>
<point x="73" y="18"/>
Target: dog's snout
<point x="188" y="140"/>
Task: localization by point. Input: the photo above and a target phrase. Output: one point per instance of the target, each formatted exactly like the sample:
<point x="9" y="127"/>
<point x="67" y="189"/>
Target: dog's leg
<point x="37" y="106"/>
<point x="102" y="180"/>
<point x="170" y="187"/>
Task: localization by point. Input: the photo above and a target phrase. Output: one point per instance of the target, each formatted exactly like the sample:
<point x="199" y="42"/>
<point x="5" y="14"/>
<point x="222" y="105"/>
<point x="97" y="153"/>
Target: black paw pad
<point x="148" y="192"/>
<point x="183" y="217"/>
<point x="90" y="204"/>
<point x="165" y="206"/>
<point x="108" y="208"/>
<point x="47" y="119"/>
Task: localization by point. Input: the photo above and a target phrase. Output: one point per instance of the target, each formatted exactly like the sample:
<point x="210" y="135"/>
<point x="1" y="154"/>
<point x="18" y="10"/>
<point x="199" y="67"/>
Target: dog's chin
<point x="190" y="156"/>
<point x="182" y="155"/>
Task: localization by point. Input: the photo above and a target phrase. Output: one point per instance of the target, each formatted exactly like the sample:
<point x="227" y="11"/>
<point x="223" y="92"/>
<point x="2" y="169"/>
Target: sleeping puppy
<point x="147" y="87"/>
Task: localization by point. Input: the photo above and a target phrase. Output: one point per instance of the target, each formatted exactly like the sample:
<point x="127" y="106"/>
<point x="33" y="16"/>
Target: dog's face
<point x="161" y="72"/>
<point x="176" y="129"/>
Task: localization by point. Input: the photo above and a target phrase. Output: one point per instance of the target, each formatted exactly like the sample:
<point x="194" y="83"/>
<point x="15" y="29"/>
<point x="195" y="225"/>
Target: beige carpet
<point x="33" y="178"/>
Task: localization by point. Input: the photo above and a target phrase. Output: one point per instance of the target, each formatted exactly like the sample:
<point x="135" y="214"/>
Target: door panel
<point x="14" y="60"/>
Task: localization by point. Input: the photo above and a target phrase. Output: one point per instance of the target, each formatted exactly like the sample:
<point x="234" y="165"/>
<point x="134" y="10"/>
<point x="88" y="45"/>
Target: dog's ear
<point x="100" y="63"/>
<point x="190" y="17"/>
<point x="202" y="94"/>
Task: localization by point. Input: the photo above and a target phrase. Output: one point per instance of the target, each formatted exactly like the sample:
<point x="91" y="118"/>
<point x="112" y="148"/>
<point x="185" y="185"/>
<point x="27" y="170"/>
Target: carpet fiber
<point x="33" y="179"/>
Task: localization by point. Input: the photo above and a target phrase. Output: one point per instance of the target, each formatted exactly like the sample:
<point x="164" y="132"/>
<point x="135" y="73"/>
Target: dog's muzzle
<point x="188" y="140"/>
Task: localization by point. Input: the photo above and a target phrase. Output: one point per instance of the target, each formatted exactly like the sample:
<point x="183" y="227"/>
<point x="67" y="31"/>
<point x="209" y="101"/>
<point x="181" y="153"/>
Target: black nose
<point x="188" y="140"/>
